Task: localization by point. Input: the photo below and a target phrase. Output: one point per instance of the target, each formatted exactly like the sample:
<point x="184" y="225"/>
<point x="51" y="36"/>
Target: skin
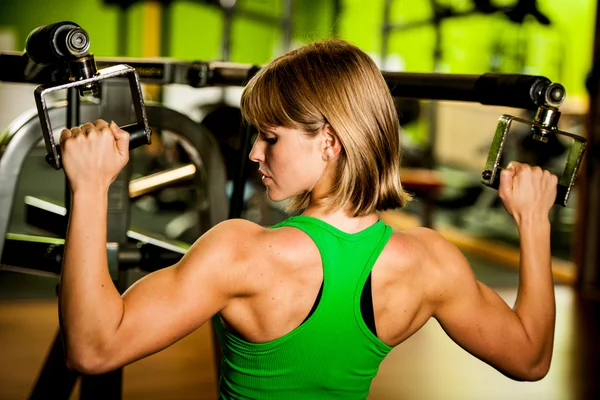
<point x="264" y="281"/>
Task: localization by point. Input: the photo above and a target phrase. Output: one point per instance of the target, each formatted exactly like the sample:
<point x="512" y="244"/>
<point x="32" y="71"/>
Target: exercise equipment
<point x="543" y="128"/>
<point x="520" y="91"/>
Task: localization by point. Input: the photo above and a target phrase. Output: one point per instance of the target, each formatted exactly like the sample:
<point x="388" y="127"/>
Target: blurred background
<point x="445" y="146"/>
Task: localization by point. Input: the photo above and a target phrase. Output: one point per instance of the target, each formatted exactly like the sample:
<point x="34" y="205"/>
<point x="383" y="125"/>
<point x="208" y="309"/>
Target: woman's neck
<point x="341" y="219"/>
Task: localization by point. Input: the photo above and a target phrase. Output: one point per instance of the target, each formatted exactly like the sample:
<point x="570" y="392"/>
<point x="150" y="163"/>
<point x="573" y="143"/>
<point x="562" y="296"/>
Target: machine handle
<point x="541" y="128"/>
<point x="562" y="191"/>
<point x="140" y="131"/>
<point x="137" y="135"/>
<point x="137" y="138"/>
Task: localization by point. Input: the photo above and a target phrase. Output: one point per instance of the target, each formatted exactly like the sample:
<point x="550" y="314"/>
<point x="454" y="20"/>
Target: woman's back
<point x="325" y="342"/>
<point x="287" y="274"/>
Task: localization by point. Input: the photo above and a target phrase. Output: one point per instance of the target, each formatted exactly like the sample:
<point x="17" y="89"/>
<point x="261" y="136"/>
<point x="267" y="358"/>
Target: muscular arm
<point x="104" y="330"/>
<point x="516" y="341"/>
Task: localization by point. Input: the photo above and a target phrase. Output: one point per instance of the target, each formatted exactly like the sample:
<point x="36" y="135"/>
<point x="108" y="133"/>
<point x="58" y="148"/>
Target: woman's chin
<point x="276" y="197"/>
<point x="273" y="196"/>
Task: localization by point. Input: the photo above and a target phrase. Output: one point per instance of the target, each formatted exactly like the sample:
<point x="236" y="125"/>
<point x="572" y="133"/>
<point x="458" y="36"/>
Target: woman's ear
<point x="331" y="143"/>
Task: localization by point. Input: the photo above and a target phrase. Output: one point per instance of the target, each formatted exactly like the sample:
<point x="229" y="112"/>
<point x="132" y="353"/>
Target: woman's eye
<point x="270" y="140"/>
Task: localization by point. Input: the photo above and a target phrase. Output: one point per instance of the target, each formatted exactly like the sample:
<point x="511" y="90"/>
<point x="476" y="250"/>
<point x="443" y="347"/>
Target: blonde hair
<point x="335" y="82"/>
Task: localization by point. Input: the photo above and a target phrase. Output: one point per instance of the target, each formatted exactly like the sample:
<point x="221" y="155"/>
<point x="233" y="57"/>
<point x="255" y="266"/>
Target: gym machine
<point x="128" y="248"/>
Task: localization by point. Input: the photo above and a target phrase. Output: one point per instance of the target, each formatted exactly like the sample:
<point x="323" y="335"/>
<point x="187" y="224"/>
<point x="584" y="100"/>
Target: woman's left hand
<point x="94" y="154"/>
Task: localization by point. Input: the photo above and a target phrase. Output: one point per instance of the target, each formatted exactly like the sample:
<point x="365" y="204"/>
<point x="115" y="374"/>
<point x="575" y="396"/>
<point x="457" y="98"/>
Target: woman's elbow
<point x="531" y="372"/>
<point x="86" y="363"/>
<point x="538" y="372"/>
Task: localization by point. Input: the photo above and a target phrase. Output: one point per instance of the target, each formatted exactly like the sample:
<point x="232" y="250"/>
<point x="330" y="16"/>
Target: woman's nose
<point x="256" y="154"/>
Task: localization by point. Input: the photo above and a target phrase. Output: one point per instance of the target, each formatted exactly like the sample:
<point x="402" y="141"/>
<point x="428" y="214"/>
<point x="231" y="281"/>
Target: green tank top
<point x="333" y="354"/>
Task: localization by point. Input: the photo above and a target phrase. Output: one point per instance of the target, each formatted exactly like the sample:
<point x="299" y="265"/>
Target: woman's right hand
<point x="94" y="154"/>
<point x="527" y="192"/>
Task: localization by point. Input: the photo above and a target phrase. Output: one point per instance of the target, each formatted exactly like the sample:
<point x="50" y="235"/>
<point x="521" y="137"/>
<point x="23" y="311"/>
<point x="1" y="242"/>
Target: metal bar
<point x="227" y="73"/>
<point x="46" y="215"/>
<point x="512" y="90"/>
<point x="159" y="180"/>
<point x="55" y="381"/>
<point x="102" y="387"/>
<point x="42" y="256"/>
<point x="140" y="132"/>
<point x="73" y="118"/>
<point x="34" y="253"/>
<point x="520" y="91"/>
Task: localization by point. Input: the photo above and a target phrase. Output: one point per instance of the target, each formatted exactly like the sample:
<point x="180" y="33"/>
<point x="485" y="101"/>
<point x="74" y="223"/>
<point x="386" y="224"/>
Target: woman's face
<point x="290" y="161"/>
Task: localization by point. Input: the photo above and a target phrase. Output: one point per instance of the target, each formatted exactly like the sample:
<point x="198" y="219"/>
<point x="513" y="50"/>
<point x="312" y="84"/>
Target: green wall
<point x="197" y="32"/>
<point x="561" y="52"/>
<point x="469" y="44"/>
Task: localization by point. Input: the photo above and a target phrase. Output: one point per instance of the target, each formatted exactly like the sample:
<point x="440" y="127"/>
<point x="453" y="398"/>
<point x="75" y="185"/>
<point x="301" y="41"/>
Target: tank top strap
<point x="346" y="256"/>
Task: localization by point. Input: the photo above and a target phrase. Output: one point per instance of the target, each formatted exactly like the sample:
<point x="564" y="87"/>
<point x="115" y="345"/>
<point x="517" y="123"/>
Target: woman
<point x="310" y="307"/>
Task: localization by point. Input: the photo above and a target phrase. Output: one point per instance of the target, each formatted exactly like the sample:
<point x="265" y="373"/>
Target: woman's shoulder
<point x="424" y="250"/>
<point x="419" y="248"/>
<point x="238" y="228"/>
<point x="419" y="239"/>
<point x="415" y="241"/>
<point x="254" y="241"/>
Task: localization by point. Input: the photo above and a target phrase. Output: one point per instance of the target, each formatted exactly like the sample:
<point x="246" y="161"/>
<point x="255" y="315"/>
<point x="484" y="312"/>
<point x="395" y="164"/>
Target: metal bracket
<point x="542" y="127"/>
<point x="140" y="132"/>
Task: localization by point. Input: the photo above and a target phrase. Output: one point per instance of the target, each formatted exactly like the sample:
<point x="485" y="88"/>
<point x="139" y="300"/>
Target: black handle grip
<point x="561" y="190"/>
<point x="137" y="137"/>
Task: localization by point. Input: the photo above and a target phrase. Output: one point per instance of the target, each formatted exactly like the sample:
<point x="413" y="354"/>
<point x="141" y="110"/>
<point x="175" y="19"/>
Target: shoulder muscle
<point x="229" y="251"/>
<point x="446" y="270"/>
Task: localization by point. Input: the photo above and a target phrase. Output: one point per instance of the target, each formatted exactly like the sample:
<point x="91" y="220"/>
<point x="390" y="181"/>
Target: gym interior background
<point x="445" y="147"/>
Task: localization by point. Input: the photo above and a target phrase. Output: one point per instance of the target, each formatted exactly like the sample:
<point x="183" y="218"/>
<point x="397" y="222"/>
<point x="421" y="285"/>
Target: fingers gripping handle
<point x="137" y="137"/>
<point x="543" y="126"/>
<point x="562" y="191"/>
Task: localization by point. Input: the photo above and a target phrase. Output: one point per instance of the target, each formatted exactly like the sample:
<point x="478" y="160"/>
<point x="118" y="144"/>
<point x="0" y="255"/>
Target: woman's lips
<point x="265" y="177"/>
